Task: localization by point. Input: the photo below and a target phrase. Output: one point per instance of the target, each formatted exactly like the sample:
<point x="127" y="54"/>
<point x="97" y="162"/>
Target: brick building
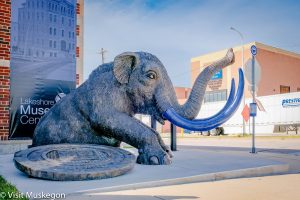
<point x="7" y="43"/>
<point x="280" y="71"/>
<point x="278" y="89"/>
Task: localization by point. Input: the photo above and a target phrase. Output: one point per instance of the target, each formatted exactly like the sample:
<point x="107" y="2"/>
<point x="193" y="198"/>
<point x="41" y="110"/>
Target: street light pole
<point x="242" y="45"/>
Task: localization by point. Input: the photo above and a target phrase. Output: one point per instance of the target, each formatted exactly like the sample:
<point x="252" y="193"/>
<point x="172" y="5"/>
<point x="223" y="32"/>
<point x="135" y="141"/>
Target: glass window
<point x="50" y="30"/>
<point x="50" y="17"/>
<point x="50" y="43"/>
<point x="62" y="33"/>
<point x="284" y="89"/>
<point x="54" y="31"/>
<point x="214" y="96"/>
<point x="54" y="18"/>
<point x="54" y="44"/>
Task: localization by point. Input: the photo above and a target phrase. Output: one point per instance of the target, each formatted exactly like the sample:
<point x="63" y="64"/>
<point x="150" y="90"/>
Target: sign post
<point x="253" y="104"/>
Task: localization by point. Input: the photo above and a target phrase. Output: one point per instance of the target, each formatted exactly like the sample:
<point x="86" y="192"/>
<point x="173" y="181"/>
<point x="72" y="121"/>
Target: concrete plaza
<point x="195" y="167"/>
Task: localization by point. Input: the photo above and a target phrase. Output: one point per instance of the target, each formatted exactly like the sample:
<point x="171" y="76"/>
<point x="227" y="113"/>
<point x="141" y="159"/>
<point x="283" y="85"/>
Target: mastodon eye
<point x="151" y="75"/>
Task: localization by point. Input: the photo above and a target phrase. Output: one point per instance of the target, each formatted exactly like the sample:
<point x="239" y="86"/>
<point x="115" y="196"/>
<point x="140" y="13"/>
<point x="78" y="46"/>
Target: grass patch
<point x="8" y="191"/>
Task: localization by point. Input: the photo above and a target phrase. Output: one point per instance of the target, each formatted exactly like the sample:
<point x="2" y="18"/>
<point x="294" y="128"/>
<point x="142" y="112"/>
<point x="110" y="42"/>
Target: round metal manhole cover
<point x="65" y="162"/>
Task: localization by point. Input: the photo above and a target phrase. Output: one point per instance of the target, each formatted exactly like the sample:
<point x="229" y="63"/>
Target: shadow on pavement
<point x="128" y="197"/>
<point x="220" y="148"/>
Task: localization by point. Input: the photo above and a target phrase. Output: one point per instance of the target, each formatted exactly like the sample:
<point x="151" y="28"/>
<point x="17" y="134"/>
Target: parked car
<point x="214" y="132"/>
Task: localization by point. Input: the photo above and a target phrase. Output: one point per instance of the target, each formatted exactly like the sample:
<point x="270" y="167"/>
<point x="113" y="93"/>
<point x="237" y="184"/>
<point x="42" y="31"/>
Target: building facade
<point x="279" y="83"/>
<point x="280" y="71"/>
<point x="46" y="30"/>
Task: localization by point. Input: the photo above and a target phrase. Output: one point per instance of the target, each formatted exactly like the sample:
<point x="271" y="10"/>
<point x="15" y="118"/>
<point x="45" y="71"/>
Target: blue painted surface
<point x="217" y="75"/>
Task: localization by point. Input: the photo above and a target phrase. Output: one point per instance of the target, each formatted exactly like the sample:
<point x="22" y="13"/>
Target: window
<point x="220" y="95"/>
<point x="62" y="33"/>
<point x="54" y="44"/>
<point x="50" y="17"/>
<point x="50" y="30"/>
<point x="62" y="20"/>
<point x="284" y="89"/>
<point x="186" y="94"/>
<point x="50" y="43"/>
<point x="54" y="31"/>
<point x="54" y="18"/>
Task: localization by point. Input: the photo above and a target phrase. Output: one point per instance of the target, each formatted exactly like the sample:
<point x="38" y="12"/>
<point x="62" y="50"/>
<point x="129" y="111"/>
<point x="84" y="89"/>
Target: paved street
<point x="261" y="188"/>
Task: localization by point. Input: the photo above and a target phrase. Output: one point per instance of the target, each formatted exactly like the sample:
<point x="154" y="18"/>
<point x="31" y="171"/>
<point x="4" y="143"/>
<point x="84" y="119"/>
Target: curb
<point x="242" y="173"/>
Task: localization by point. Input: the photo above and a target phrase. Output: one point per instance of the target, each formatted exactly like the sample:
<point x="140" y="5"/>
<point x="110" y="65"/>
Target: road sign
<point x="253" y="109"/>
<point x="257" y="72"/>
<point x="253" y="50"/>
<point x="246" y="113"/>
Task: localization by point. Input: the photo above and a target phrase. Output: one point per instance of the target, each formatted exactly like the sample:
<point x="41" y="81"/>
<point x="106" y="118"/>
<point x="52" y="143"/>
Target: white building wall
<point x="276" y="114"/>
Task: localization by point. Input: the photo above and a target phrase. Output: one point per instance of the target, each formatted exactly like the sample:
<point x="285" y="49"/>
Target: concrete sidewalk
<point x="189" y="165"/>
<point x="267" y="188"/>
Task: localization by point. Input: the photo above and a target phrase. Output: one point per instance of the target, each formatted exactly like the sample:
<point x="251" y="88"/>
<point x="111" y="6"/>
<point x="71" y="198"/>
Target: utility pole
<point x="242" y="45"/>
<point x="102" y="52"/>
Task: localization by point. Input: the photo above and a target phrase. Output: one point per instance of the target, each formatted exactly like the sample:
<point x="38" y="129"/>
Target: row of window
<point x="62" y="9"/>
<point x="51" y="7"/>
<point x="52" y="17"/>
<point x="220" y="95"/>
<point x="37" y="53"/>
<point x="52" y="31"/>
<point x="63" y="45"/>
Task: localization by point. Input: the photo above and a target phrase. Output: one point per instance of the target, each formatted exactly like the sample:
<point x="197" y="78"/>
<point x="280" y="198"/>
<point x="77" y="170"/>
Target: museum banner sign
<point x="43" y="60"/>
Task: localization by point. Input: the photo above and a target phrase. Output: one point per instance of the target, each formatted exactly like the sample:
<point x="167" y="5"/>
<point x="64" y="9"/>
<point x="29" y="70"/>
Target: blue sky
<point x="176" y="31"/>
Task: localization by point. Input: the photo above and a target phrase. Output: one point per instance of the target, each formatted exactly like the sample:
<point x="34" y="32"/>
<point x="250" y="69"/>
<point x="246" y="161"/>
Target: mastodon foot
<point x="153" y="156"/>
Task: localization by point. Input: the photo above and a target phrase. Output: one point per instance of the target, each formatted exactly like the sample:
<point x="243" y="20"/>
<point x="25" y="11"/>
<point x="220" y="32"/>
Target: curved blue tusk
<point x="228" y="103"/>
<point x="213" y="122"/>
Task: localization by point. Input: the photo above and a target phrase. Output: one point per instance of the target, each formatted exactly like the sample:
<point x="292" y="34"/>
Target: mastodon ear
<point x="123" y="66"/>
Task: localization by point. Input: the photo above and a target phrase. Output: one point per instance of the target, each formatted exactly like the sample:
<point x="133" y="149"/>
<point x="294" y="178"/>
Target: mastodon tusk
<point x="228" y="103"/>
<point x="211" y="122"/>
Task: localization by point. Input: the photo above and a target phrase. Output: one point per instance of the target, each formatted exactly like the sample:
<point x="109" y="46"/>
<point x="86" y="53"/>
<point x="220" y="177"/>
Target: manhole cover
<point x="66" y="162"/>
